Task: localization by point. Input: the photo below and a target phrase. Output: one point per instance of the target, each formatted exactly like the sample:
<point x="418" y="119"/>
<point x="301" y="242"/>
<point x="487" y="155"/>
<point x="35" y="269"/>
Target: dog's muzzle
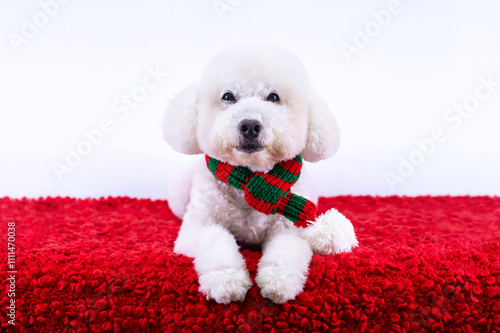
<point x="249" y="130"/>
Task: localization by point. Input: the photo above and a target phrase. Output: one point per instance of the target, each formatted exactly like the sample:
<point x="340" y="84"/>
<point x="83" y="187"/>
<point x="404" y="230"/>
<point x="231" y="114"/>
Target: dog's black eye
<point x="273" y="98"/>
<point x="228" y="97"/>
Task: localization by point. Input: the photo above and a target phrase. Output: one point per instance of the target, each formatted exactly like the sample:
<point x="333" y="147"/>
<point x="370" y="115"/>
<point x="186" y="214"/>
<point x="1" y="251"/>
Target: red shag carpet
<point x="424" y="264"/>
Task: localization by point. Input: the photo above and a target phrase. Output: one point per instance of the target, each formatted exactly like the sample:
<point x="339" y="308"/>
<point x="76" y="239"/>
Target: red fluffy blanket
<point x="423" y="264"/>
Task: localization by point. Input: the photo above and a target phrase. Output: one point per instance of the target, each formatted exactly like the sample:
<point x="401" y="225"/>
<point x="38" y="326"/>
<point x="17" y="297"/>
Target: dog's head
<point x="253" y="107"/>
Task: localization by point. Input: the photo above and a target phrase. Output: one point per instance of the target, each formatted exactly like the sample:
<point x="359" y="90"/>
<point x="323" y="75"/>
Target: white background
<point x="65" y="77"/>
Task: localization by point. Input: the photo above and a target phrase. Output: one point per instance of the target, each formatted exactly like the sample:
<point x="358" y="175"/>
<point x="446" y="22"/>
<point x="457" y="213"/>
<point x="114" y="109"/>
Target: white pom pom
<point x="331" y="233"/>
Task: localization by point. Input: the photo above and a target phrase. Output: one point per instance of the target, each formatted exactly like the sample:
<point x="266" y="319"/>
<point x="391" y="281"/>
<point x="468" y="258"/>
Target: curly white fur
<point x="215" y="215"/>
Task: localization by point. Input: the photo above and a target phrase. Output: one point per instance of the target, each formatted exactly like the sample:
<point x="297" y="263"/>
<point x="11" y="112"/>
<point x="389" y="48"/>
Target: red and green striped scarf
<point x="269" y="193"/>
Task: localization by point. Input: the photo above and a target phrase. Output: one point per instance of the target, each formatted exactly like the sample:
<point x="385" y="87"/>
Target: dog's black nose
<point x="250" y="128"/>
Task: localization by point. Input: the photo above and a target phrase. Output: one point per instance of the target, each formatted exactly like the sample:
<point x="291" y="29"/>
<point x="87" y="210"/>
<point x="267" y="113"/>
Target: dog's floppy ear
<point x="323" y="137"/>
<point x="180" y="121"/>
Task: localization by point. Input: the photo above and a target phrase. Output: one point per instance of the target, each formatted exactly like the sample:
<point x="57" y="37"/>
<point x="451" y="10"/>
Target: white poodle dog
<point x="253" y="107"/>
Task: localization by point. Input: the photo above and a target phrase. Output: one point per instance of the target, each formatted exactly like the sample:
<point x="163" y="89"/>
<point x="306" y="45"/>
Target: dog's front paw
<point x="280" y="284"/>
<point x="225" y="286"/>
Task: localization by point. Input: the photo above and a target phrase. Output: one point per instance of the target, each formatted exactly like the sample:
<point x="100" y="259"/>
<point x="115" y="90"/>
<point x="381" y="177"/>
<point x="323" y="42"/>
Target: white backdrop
<point x="415" y="86"/>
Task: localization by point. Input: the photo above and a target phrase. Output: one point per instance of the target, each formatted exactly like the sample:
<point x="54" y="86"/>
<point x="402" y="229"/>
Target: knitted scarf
<point x="269" y="193"/>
